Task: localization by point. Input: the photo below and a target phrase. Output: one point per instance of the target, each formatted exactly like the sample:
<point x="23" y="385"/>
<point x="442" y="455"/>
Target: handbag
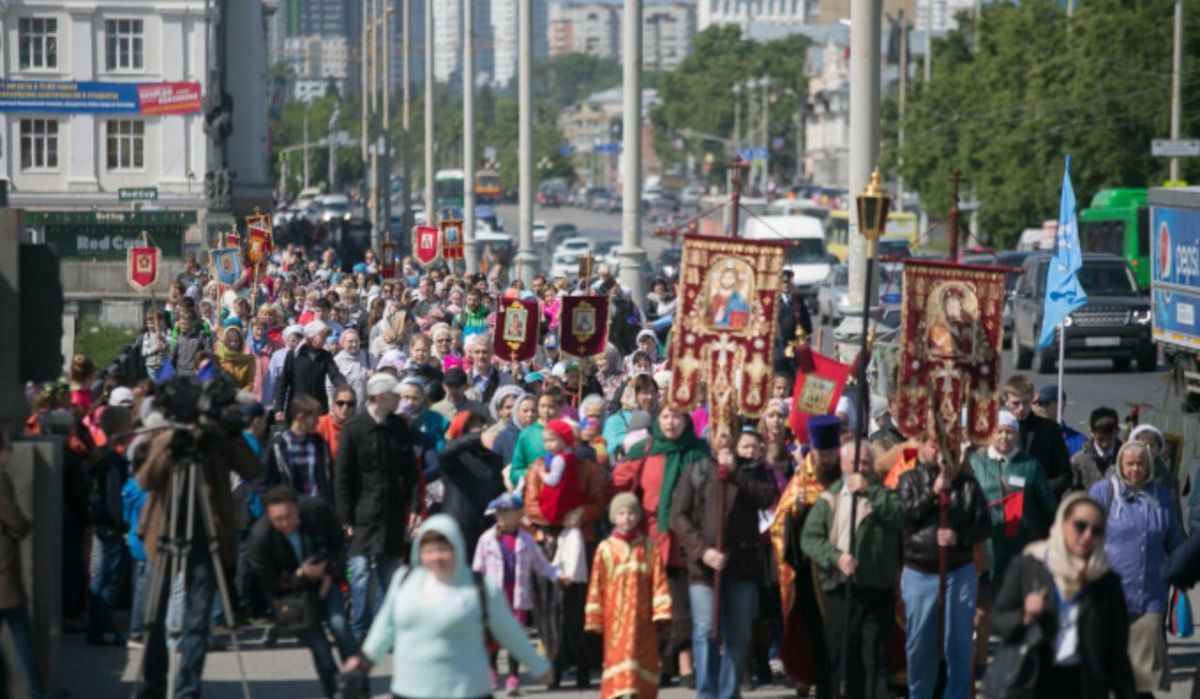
<point x="1180" y="619"/>
<point x="295" y="612"/>
<point x="1015" y="670"/>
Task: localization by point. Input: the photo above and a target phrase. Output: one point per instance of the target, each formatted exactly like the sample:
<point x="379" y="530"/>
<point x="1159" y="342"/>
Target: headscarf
<point x="1070" y="572"/>
<point x="517" y="407"/>
<point x="678" y="454"/>
<point x="503" y="393"/>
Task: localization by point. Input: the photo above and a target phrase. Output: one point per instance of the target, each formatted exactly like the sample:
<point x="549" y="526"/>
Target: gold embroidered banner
<point x="729" y="289"/>
<point x="950" y="330"/>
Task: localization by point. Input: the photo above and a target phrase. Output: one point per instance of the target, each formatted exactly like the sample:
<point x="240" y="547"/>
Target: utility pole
<point x="364" y="61"/>
<point x="765" y="82"/>
<point x="956" y="181"/>
<point x="470" y="254"/>
<point x="633" y="257"/>
<point x="333" y="120"/>
<point x="903" y="100"/>
<point x="371" y="51"/>
<point x="928" y="40"/>
<point x="305" y="147"/>
<point x="865" y="19"/>
<point x="1176" y="70"/>
<point x="526" y="259"/>
<point x="385" y="137"/>
<point x="430" y="203"/>
<point x="406" y="117"/>
<point x="737" y="117"/>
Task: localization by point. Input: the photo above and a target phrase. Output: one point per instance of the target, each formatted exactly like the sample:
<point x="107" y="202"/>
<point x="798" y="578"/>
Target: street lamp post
<point x="526" y="259"/>
<point x="470" y="254"/>
<point x="633" y="257"/>
<point x="430" y="203"/>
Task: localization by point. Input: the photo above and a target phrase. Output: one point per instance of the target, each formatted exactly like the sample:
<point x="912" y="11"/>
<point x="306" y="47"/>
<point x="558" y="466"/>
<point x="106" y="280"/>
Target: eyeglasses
<point x="1082" y="526"/>
<point x="345" y="403"/>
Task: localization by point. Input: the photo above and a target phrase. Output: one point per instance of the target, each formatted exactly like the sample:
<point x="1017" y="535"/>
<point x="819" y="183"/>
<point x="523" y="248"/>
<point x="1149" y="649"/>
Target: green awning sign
<point x="106" y="235"/>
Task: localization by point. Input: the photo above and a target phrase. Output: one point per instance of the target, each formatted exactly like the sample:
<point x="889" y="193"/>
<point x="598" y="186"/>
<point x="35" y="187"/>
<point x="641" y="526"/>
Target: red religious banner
<point x="232" y="240"/>
<point x="727" y="307"/>
<point x="141" y="267"/>
<point x="452" y="241"/>
<point x="516" y="335"/>
<point x="816" y="393"/>
<point x="425" y="244"/>
<point x="584" y="325"/>
<point x="387" y="259"/>
<point x="950" y="333"/>
<point x="261" y="243"/>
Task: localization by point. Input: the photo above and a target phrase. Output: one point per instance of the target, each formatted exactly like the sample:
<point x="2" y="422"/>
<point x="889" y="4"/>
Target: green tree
<point x="564" y="80"/>
<point x="1040" y="87"/>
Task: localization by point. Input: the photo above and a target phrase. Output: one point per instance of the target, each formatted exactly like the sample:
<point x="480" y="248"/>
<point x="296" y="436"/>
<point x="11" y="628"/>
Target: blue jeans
<point x="719" y="663"/>
<point x="334" y="613"/>
<point x="196" y="606"/>
<point x="107" y="558"/>
<point x="920" y="593"/>
<point x="360" y="583"/>
<point x="17" y="619"/>
<point x="137" y="608"/>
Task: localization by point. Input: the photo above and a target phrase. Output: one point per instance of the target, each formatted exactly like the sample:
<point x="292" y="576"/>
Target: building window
<point x="123" y="41"/>
<point x="126" y="144"/>
<point x="37" y="38"/>
<point x="39" y="144"/>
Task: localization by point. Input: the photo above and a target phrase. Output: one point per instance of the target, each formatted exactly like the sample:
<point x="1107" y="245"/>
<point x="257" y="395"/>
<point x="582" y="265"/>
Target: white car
<point x="564" y="266"/>
<point x="541" y="232"/>
<point x="574" y="246"/>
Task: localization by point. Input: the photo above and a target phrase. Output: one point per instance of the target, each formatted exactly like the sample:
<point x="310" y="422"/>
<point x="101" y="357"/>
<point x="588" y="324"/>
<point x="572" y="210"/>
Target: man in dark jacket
<point x="1099" y="452"/>
<point x="471" y="475"/>
<point x="190" y="342"/>
<point x="298" y="546"/>
<point x="945" y="515"/>
<point x="744" y="487"/>
<point x="306" y="370"/>
<point x="107" y="473"/>
<point x="379" y="494"/>
<point x="1040" y="438"/>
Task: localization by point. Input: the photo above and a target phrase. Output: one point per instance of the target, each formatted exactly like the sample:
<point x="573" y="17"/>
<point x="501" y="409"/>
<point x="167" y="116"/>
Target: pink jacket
<point x="489" y="561"/>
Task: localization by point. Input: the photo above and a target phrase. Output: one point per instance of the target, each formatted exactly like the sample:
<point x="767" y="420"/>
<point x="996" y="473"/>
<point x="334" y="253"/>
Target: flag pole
<point x="1062" y="341"/>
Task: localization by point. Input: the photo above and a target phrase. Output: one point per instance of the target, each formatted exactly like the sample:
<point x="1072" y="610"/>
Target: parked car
<point x="833" y="294"/>
<point x="561" y="231"/>
<point x="540" y="232"/>
<point x="552" y="193"/>
<point x="691" y="195"/>
<point x="564" y="265"/>
<point x="1114" y="324"/>
<point x="574" y="248"/>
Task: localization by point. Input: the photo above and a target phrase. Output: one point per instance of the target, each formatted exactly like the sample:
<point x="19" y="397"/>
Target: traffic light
<point x="41" y="313"/>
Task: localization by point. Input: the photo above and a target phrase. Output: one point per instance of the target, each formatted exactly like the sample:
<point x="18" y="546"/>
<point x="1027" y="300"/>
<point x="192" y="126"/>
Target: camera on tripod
<point x="211" y="405"/>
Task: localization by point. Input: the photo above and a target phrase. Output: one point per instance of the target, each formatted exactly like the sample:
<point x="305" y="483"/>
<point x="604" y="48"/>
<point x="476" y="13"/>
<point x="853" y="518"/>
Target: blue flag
<point x="1064" y="293"/>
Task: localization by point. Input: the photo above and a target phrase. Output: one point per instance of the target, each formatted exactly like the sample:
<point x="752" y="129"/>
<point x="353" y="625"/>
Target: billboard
<point x="1175" y="275"/>
<point x="70" y="97"/>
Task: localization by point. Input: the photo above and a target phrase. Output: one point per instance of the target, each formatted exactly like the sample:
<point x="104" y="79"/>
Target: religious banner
<point x="426" y="244"/>
<point x="232" y="239"/>
<point x="141" y="267"/>
<point x="584" y="327"/>
<point x="816" y="393"/>
<point x="727" y="306"/>
<point x="227" y="265"/>
<point x="261" y="243"/>
<point x="516" y="336"/>
<point x="950" y="333"/>
<point x="452" y="241"/>
<point x="387" y="259"/>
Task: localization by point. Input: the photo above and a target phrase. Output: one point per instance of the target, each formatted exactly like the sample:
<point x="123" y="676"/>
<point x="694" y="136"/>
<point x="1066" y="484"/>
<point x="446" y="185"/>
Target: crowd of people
<point x="412" y="494"/>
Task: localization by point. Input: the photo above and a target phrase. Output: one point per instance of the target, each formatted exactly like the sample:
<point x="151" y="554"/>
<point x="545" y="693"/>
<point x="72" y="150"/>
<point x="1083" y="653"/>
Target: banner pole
<point x="1062" y="331"/>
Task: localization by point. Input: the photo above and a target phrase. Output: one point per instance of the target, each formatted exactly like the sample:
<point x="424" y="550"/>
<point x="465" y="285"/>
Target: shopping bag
<point x="571" y="556"/>
<point x="1181" y="614"/>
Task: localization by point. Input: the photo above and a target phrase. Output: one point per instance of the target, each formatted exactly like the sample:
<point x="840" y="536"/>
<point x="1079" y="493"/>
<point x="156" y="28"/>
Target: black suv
<point x="1114" y="323"/>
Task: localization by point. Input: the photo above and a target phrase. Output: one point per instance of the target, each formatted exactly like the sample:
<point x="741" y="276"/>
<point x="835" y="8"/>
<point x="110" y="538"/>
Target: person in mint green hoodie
<point x="433" y="618"/>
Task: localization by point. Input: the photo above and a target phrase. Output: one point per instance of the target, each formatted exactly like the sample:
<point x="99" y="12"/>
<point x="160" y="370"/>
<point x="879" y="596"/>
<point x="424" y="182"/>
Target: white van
<point x="806" y="255"/>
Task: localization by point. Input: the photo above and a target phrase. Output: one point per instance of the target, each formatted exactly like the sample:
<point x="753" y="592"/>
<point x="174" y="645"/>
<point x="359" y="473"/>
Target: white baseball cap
<point x="121" y="396"/>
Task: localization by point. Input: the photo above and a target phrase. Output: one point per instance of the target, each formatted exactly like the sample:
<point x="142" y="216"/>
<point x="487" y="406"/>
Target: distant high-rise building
<point x="504" y="37"/>
<point x="594" y="28"/>
<point x="783" y="15"/>
<point x="667" y="32"/>
<point x="316" y="17"/>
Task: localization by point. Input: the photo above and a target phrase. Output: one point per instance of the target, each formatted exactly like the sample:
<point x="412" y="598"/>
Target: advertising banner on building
<point x="71" y="97"/>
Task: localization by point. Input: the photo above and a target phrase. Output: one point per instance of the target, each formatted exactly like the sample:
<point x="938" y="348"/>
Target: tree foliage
<point x="699" y="96"/>
<point x="1039" y="87"/>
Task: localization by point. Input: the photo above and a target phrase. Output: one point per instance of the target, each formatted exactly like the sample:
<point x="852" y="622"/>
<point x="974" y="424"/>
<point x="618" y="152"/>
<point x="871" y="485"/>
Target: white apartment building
<point x="779" y="15"/>
<point x="447" y="40"/>
<point x="79" y="155"/>
<point x="594" y="29"/>
<point x="315" y="57"/>
<point x="504" y="37"/>
<point x="827" y="121"/>
<point x="667" y="33"/>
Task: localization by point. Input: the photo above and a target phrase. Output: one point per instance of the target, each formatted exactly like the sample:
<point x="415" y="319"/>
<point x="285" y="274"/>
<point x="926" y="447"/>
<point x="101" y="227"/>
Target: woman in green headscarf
<point x="651" y="471"/>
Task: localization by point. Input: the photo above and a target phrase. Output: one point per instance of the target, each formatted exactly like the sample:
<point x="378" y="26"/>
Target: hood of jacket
<point x="446" y="526"/>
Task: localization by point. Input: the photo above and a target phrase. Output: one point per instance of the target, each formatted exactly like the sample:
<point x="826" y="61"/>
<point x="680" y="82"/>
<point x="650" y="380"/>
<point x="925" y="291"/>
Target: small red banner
<point x="516" y="335"/>
<point x="816" y="393"/>
<point x="261" y="243"/>
<point x="387" y="259"/>
<point x="452" y="240"/>
<point x="142" y="267"/>
<point x="584" y="325"/>
<point x="426" y="246"/>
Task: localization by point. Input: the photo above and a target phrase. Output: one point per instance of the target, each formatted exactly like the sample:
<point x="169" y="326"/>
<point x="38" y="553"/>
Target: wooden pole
<point x="955" y="180"/>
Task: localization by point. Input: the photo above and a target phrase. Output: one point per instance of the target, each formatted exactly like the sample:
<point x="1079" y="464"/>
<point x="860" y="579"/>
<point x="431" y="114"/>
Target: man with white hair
<point x="871" y="566"/>
<point x="306" y="370"/>
<point x="484" y="378"/>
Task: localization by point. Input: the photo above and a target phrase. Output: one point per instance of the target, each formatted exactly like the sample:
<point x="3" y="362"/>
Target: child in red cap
<point x="560" y="492"/>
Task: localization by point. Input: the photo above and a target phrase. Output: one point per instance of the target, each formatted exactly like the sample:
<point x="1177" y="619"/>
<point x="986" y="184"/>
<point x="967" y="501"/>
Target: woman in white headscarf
<point x="1063" y="590"/>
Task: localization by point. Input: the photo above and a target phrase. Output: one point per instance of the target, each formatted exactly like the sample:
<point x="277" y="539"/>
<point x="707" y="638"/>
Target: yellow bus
<point x="901" y="225"/>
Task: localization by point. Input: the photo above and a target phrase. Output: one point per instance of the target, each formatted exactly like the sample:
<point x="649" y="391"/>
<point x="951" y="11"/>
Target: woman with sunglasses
<point x="1144" y="527"/>
<point x="1065" y="587"/>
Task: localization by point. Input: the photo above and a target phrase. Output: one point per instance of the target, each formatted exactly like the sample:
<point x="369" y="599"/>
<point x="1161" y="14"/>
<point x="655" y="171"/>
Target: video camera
<point x="211" y="404"/>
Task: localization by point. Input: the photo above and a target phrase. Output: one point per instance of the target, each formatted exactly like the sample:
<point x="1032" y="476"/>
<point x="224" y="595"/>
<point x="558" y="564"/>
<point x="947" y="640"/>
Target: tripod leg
<point x="214" y="547"/>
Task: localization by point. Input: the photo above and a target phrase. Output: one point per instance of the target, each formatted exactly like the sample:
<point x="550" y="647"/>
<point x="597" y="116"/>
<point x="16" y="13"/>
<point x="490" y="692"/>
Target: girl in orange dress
<point x="627" y="597"/>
